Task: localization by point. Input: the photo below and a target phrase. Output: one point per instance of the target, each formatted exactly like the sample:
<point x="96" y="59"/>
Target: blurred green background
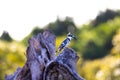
<point x="97" y="44"/>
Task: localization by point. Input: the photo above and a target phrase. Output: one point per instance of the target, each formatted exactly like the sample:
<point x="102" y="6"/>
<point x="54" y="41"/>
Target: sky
<point x="18" y="17"/>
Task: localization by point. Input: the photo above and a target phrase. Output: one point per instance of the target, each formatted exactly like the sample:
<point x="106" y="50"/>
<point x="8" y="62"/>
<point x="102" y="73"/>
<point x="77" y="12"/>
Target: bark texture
<point x="42" y="64"/>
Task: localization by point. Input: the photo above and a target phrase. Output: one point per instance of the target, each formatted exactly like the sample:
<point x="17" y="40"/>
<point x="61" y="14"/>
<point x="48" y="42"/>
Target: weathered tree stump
<point x="42" y="64"/>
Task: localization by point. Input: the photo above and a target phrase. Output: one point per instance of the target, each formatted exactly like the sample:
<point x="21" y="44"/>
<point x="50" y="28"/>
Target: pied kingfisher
<point x="65" y="43"/>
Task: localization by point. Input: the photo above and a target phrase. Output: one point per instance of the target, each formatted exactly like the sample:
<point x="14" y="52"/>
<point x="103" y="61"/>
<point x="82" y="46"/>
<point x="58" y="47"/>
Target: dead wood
<point x="42" y="64"/>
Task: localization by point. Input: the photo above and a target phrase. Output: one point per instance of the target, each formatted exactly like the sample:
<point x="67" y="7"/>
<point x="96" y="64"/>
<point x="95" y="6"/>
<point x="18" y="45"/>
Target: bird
<point x="66" y="42"/>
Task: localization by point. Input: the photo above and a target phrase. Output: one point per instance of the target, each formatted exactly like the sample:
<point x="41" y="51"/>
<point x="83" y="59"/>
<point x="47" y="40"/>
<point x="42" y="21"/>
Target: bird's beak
<point x="74" y="38"/>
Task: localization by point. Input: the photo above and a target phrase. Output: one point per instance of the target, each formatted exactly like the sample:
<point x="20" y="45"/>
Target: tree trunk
<point x="42" y="64"/>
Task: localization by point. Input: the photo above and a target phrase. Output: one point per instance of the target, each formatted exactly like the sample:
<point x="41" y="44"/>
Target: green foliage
<point x="96" y="42"/>
<point x="60" y="27"/>
<point x="11" y="56"/>
<point x="116" y="43"/>
<point x="101" y="69"/>
<point x="105" y="16"/>
<point x="6" y="37"/>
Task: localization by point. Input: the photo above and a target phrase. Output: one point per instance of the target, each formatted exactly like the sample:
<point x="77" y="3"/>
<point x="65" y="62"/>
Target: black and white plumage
<point x="65" y="43"/>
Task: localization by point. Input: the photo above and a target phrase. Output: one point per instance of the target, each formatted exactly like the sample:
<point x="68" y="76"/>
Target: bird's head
<point x="71" y="35"/>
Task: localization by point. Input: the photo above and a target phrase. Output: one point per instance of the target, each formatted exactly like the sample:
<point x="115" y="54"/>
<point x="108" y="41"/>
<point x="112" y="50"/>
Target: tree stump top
<point x="42" y="64"/>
